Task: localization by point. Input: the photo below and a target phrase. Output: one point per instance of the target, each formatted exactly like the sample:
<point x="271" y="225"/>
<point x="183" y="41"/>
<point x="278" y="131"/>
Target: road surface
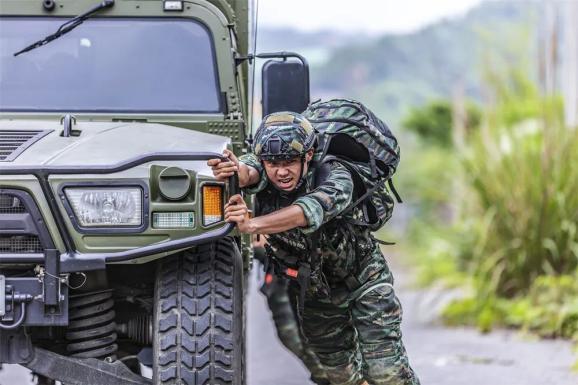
<point x="439" y="355"/>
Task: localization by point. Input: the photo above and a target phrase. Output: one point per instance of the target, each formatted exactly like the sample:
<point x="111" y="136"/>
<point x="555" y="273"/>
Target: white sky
<point x="371" y="16"/>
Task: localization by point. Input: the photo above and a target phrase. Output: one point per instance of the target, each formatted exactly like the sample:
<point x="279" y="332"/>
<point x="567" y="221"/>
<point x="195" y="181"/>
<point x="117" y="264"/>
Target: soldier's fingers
<point x="235" y="218"/>
<point x="232" y="206"/>
<point x="236" y="206"/>
<point x="236" y="199"/>
<point x="224" y="164"/>
<point x="213" y="162"/>
<point x="233" y="158"/>
<point x="230" y="169"/>
<point x="233" y="213"/>
<point x="224" y="176"/>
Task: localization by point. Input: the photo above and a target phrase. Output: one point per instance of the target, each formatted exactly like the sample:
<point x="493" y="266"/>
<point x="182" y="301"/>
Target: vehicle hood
<point x="107" y="143"/>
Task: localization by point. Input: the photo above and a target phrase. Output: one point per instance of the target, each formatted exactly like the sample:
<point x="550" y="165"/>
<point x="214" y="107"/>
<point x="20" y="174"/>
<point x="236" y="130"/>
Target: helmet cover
<point x="283" y="135"/>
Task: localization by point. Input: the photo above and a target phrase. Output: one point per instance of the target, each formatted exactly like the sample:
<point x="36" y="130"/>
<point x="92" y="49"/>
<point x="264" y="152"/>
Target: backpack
<point x="351" y="134"/>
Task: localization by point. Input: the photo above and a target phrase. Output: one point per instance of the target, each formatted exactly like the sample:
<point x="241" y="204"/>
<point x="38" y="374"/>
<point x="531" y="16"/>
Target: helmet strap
<point x="301" y="173"/>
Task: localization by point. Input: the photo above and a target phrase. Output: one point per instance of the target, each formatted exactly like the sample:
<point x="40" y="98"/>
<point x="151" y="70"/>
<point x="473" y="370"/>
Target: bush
<point x="550" y="309"/>
<point x="433" y="123"/>
<point x="521" y="216"/>
<point x="524" y="181"/>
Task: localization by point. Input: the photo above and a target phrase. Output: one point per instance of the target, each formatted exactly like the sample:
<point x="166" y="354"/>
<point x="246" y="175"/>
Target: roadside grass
<point x="500" y="216"/>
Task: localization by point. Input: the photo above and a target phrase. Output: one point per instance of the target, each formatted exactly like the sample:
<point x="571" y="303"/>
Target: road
<point x="440" y="356"/>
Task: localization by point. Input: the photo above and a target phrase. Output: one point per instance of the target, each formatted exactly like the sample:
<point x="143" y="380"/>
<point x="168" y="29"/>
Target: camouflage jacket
<point x="347" y="250"/>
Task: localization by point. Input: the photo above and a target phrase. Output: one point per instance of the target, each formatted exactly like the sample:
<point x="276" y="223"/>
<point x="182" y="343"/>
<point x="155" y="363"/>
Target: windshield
<point x="109" y="65"/>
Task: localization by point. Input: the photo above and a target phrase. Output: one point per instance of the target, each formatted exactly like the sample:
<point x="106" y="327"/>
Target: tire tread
<point x="195" y="316"/>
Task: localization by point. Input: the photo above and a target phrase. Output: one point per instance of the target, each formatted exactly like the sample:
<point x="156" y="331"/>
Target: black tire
<point x="199" y="323"/>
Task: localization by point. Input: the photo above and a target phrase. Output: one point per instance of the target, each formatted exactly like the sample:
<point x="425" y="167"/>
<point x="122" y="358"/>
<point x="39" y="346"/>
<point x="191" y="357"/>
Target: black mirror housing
<point x="285" y="85"/>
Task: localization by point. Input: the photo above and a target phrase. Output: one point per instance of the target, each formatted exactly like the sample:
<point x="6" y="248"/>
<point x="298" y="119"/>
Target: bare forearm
<point x="248" y="176"/>
<point x="278" y="221"/>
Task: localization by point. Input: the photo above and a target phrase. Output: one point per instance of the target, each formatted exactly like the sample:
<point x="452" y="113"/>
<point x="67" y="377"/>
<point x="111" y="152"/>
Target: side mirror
<point x="285" y="83"/>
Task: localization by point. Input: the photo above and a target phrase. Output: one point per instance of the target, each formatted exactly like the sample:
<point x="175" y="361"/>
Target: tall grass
<point x="500" y="215"/>
<point x="522" y="169"/>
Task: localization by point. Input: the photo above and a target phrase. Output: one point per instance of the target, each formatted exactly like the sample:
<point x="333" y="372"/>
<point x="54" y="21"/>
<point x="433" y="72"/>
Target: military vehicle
<point x="115" y="259"/>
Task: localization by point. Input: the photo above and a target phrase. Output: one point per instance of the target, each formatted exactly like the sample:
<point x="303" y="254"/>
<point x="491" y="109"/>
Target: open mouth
<point x="285" y="182"/>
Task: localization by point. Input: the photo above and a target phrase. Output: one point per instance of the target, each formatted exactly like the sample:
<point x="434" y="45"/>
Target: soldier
<point x="342" y="288"/>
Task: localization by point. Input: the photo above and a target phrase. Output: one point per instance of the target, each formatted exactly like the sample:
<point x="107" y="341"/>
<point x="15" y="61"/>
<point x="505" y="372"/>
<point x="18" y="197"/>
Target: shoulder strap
<point x="393" y="190"/>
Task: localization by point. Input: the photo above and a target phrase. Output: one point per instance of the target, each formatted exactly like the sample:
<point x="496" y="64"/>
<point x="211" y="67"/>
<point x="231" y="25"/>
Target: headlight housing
<point x="113" y="206"/>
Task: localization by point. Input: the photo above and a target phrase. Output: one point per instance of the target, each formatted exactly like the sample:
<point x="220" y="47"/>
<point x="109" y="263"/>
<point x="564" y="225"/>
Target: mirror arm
<point x="241" y="59"/>
<point x="272" y="55"/>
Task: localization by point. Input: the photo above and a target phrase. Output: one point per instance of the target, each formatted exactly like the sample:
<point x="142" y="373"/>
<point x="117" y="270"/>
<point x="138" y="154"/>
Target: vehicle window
<point x="108" y="65"/>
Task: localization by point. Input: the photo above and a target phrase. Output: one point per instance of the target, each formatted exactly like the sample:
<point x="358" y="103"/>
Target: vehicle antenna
<point x="253" y="64"/>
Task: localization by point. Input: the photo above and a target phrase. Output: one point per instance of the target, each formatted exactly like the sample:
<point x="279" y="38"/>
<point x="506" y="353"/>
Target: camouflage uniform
<point x="288" y="331"/>
<point x="351" y="316"/>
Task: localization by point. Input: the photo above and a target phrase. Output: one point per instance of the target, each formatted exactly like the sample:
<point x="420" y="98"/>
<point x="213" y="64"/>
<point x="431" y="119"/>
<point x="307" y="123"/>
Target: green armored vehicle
<point x="115" y="259"/>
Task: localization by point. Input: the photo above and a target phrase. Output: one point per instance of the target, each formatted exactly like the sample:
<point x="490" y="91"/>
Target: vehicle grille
<point x="18" y="208"/>
<point x="20" y="244"/>
<point x="13" y="142"/>
<point x="10" y="204"/>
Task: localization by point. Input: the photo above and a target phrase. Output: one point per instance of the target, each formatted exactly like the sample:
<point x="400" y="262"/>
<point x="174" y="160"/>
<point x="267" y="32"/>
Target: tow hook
<point x="9" y="300"/>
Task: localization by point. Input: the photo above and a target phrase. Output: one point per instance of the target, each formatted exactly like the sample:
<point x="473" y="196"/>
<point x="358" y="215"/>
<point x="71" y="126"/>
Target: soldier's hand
<point x="236" y="211"/>
<point x="224" y="169"/>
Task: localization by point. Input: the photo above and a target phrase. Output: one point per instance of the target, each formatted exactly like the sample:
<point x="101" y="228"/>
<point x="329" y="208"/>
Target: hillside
<point x="394" y="72"/>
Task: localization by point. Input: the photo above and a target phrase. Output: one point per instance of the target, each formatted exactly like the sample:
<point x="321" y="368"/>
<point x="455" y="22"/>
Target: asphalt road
<point x="439" y="355"/>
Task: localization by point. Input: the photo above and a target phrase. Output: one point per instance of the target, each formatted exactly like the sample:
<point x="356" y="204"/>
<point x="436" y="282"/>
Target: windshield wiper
<point x="68" y="26"/>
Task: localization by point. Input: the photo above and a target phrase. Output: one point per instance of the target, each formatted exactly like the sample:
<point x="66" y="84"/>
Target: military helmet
<point x="283" y="135"/>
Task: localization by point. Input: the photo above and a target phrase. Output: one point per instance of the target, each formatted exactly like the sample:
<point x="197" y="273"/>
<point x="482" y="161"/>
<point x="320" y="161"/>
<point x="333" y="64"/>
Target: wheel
<point x="199" y="323"/>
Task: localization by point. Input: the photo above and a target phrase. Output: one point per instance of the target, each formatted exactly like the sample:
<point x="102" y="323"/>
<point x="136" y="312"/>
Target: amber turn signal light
<point x="212" y="204"/>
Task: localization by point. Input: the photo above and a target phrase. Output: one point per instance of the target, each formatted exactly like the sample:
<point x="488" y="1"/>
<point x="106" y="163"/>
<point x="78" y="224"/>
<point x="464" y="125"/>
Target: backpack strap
<point x="361" y="192"/>
<point x="393" y="190"/>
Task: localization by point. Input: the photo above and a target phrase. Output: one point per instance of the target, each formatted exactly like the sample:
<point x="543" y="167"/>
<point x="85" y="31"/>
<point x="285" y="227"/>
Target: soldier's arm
<point x="327" y="200"/>
<point x="308" y="212"/>
<point x="257" y="180"/>
<point x="278" y="221"/>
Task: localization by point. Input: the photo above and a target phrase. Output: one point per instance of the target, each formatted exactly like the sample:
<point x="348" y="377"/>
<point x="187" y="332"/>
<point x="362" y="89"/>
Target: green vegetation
<point x="434" y="122"/>
<point x="512" y="236"/>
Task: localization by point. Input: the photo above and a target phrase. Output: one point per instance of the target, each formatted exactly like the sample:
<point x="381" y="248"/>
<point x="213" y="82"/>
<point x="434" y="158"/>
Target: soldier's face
<point x="285" y="174"/>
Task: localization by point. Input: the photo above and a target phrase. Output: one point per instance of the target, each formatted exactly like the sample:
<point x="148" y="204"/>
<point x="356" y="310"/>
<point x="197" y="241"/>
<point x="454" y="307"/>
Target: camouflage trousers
<point x="359" y="340"/>
<point x="288" y="329"/>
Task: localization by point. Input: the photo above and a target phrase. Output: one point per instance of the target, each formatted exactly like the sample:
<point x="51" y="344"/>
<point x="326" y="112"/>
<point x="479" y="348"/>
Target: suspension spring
<point x="91" y="330"/>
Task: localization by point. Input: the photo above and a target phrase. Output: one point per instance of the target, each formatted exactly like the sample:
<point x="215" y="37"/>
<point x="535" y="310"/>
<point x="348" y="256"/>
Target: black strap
<point x="394" y="191"/>
<point x="314" y="247"/>
<point x="304" y="281"/>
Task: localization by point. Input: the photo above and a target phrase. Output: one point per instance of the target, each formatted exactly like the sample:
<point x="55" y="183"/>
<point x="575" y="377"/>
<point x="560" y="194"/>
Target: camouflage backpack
<point x="350" y="133"/>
